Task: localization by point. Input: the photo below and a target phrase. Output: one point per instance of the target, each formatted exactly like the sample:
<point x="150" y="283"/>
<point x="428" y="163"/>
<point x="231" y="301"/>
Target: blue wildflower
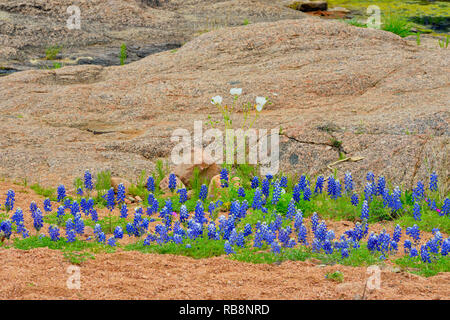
<point x="6" y="229"/>
<point x="38" y="223"/>
<point x="255" y="182"/>
<point x="416" y="212"/>
<point x="47" y="205"/>
<point x="365" y="211"/>
<point x="71" y="235"/>
<point x="276" y="193"/>
<point x="224" y="178"/>
<point x="88" y="185"/>
<point x="10" y="199"/>
<point x="110" y="199"/>
<point x="433" y="181"/>
<point x="61" y="190"/>
<point x="319" y="184"/>
<point x="120" y="193"/>
<point x="228" y="249"/>
<point x="257" y="201"/>
<point x="265" y="187"/>
<point x="307" y="194"/>
<point x="348" y="182"/>
<point x="414" y="233"/>
<point x="183" y="195"/>
<point x="354" y="200"/>
<point x="53" y="231"/>
<point x="370" y="177"/>
<point x="203" y="192"/>
<point x="241" y="192"/>
<point x="150" y="184"/>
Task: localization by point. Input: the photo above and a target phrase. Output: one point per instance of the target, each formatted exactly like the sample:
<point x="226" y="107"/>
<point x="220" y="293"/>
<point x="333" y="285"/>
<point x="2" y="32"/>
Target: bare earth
<point x="42" y="273"/>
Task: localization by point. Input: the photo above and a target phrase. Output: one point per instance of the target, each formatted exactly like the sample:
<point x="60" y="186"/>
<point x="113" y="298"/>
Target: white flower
<point x="236" y="91"/>
<point x="216" y="100"/>
<point x="260" y="102"/>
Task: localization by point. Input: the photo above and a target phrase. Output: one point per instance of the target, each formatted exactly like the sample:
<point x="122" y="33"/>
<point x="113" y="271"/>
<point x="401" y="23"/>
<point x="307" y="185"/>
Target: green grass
<point x="200" y="248"/>
<point x="45" y="242"/>
<point x="415" y="265"/>
<point x="45" y="192"/>
<point x="397" y="25"/>
<point x="335" y="276"/>
<point x="52" y="52"/>
<point x="123" y="54"/>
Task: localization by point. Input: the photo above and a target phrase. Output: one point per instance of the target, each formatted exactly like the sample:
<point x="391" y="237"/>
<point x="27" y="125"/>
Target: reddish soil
<point x="42" y="274"/>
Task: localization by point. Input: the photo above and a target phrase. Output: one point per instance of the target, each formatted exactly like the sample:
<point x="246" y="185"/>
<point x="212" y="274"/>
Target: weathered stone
<point x="206" y="169"/>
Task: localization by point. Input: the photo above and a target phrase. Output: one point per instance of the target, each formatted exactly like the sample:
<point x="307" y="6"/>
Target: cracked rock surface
<point x="335" y="90"/>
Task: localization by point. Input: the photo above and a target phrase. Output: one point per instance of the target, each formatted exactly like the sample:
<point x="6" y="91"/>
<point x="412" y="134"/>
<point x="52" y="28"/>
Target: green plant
<point x="123" y="54"/>
<point x="355" y="22"/>
<point x="335" y="276"/>
<point x="77" y="257"/>
<point x="443" y="43"/>
<point x="246" y="22"/>
<point x="397" y="25"/>
<point x="46" y="192"/>
<point x="418" y="38"/>
<point x="52" y="52"/>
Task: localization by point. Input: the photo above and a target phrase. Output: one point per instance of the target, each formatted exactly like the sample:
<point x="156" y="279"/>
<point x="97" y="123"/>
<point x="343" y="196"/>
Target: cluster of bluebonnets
<point x="183" y="227"/>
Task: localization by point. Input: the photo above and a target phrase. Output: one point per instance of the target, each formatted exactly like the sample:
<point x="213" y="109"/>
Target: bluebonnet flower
<point x="94" y="215"/>
<point x="276" y="193"/>
<point x="368" y="192"/>
<point x="67" y="203"/>
<point x="354" y="199"/>
<point x="150" y="184"/>
<point x="302" y="234"/>
<point x="365" y="211"/>
<point x="110" y="199"/>
<point x="445" y="247"/>
<point x="124" y="211"/>
<point x="291" y="211"/>
<point x="203" y="192"/>
<point x="337" y="190"/>
<point x="38" y="223"/>
<point x="370" y="177"/>
<point x="88" y="185"/>
<point x="407" y="245"/>
<point x="6" y="229"/>
<point x="172" y="182"/>
<point x="321" y="232"/>
<point x="71" y="235"/>
<point x="418" y="192"/>
<point x="235" y="208"/>
<point x="178" y="239"/>
<point x="33" y="208"/>
<point x="60" y="214"/>
<point x="243" y="209"/>
<point x="10" y="199"/>
<point x="224" y="178"/>
<point x="101" y="237"/>
<point x="296" y="193"/>
<point x="53" y="231"/>
<point x="387" y="199"/>
<point x="241" y="192"/>
<point x="247" y="230"/>
<point x="381" y="185"/>
<point x="330" y="186"/>
<point x="17" y="217"/>
<point x="446" y="207"/>
<point x="424" y="254"/>
<point x="79" y="191"/>
<point x="79" y="224"/>
<point x="396" y="203"/>
<point x="75" y="208"/>
<point x="413" y="253"/>
<point x="47" y="205"/>
<point x="120" y="193"/>
<point x="155" y="206"/>
<point x="84" y="206"/>
<point x="348" y="182"/>
<point x="433" y="181"/>
<point x="257" y="201"/>
<point x="61" y="193"/>
<point x="283" y="182"/>
<point x="275" y="247"/>
<point x="255" y="182"/>
<point x="397" y="233"/>
<point x="184" y="214"/>
<point x="298" y="220"/>
<point x="319" y="184"/>
<point x="314" y="222"/>
<point x="183" y="195"/>
<point x="302" y="182"/>
<point x="416" y="212"/>
<point x="199" y="213"/>
<point x="228" y="249"/>
<point x="344" y="253"/>
<point x="118" y="232"/>
<point x="414" y="233"/>
<point x="269" y="177"/>
<point x="112" y="242"/>
<point x="265" y="188"/>
<point x="307" y="194"/>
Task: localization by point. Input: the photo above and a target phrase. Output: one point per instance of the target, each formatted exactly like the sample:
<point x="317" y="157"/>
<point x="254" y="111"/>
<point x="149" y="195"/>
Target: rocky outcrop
<point x="337" y="91"/>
